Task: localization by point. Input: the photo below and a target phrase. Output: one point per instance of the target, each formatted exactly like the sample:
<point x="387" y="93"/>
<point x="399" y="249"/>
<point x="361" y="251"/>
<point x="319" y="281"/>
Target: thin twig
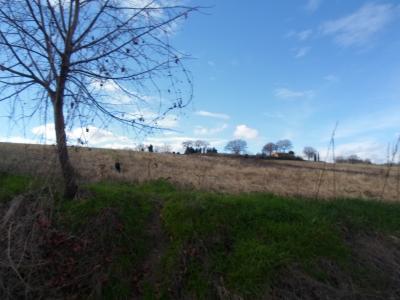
<point x="12" y="265"/>
<point x="322" y="173"/>
<point x="390" y="164"/>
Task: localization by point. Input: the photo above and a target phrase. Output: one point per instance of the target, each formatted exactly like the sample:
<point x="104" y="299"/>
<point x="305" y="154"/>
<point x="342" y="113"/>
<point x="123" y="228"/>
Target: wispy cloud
<point x="91" y="135"/>
<point x="201" y="130"/>
<point x="331" y="78"/>
<point x="313" y="5"/>
<point x="285" y="93"/>
<point x="204" y="113"/>
<point x="377" y="121"/>
<point x="301" y="52"/>
<point x="302" y="35"/>
<point x="359" y="27"/>
<point x="245" y="132"/>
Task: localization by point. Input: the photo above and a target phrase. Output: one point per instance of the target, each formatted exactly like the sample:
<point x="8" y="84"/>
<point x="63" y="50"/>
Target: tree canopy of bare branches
<point x="269" y="148"/>
<point x="92" y="60"/>
<point x="236" y="146"/>
<point x="284" y="145"/>
<point x="309" y="152"/>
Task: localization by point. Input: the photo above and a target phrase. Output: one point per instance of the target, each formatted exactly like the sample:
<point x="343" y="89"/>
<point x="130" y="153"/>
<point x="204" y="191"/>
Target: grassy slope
<point x="238" y="245"/>
<point x="12" y="185"/>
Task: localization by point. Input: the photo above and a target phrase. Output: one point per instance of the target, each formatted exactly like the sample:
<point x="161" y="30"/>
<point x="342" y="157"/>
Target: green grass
<point x="13" y="185"/>
<point x="242" y="242"/>
<point x="248" y="239"/>
<point x="129" y="246"/>
<point x="362" y="215"/>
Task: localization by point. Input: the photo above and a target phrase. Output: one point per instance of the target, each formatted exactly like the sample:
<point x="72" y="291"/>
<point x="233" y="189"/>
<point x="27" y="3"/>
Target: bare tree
<point x="284" y="145"/>
<point x="187" y="144"/>
<point x="205" y="146"/>
<point x="269" y="148"/>
<point x="236" y="146"/>
<point x="198" y="144"/>
<point x="92" y="61"/>
<point x="309" y="152"/>
<point x="202" y="145"/>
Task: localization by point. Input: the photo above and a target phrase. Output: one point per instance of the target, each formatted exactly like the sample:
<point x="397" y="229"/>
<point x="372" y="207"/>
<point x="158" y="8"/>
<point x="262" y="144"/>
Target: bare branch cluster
<point x="103" y="56"/>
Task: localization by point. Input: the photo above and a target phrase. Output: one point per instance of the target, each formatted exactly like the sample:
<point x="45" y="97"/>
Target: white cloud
<point x="102" y="138"/>
<point x="45" y="133"/>
<point x="313" y="5"/>
<point x="204" y="113"/>
<point x="201" y="130"/>
<point x="93" y="136"/>
<point x="17" y="139"/>
<point x="363" y="148"/>
<point x="245" y="132"/>
<point x="285" y="93"/>
<point x="302" y="52"/>
<point x="359" y="27"/>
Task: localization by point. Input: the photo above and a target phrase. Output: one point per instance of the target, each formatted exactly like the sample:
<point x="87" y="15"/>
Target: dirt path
<point x="149" y="280"/>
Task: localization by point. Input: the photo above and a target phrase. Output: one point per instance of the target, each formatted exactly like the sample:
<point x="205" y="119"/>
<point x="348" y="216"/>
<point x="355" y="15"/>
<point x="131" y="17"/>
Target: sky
<point x="274" y="70"/>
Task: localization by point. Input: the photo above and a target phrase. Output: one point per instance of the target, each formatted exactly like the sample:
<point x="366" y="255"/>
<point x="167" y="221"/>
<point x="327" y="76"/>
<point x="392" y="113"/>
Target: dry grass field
<point x="218" y="173"/>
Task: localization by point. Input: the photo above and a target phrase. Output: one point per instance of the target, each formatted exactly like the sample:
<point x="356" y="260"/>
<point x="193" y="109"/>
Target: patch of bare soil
<point x="374" y="273"/>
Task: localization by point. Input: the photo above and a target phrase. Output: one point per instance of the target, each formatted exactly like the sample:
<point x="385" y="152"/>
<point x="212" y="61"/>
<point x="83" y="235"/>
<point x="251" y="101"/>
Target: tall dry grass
<point x="211" y="173"/>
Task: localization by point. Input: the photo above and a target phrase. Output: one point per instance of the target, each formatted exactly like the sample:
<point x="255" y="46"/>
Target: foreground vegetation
<point x="154" y="241"/>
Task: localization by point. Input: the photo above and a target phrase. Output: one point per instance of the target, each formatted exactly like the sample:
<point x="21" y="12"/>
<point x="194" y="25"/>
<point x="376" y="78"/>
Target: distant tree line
<point x="281" y="149"/>
<point x="281" y="146"/>
<point x="198" y="146"/>
<point x="352" y="159"/>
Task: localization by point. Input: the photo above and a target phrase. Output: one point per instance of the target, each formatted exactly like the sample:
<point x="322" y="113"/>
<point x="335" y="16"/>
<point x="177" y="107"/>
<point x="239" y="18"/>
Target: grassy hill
<point x="158" y="241"/>
<point x="211" y="173"/>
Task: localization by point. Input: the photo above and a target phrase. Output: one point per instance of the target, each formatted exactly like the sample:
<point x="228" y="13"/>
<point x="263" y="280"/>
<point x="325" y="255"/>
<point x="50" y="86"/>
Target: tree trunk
<point x="70" y="186"/>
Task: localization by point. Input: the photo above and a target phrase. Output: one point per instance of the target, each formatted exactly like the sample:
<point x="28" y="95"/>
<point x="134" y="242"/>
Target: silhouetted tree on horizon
<point x="236" y="146"/>
<point x="309" y="152"/>
<point x="284" y="145"/>
<point x="269" y="148"/>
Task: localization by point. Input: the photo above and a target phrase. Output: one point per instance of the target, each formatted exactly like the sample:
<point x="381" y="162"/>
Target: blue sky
<point x="280" y="69"/>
